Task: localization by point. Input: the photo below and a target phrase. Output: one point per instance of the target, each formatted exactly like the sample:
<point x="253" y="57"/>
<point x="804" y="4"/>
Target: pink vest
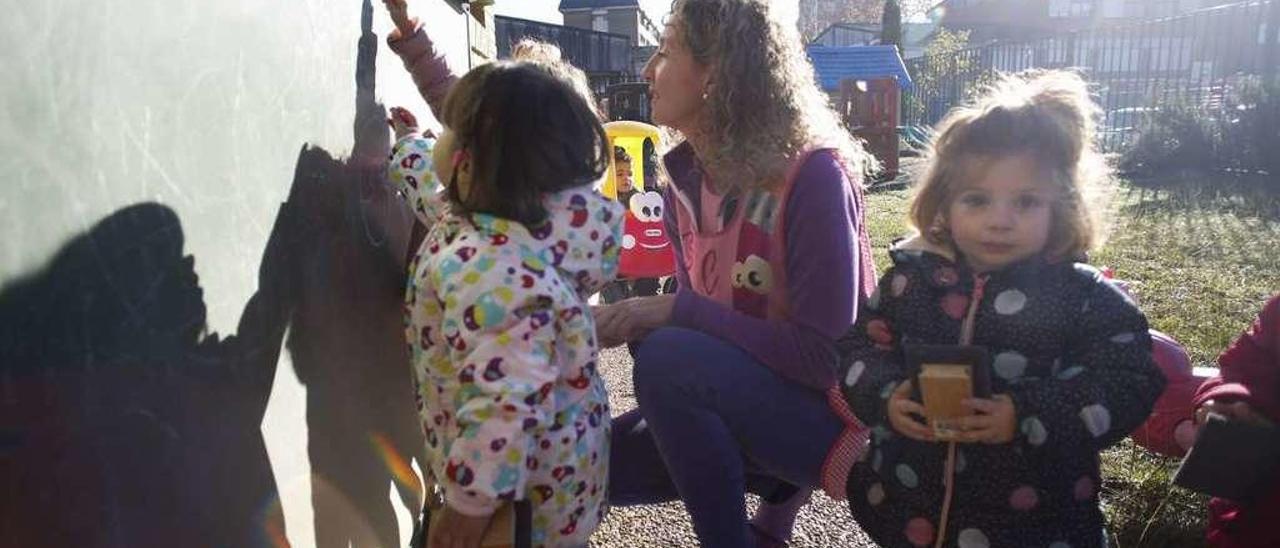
<point x="743" y="263"/>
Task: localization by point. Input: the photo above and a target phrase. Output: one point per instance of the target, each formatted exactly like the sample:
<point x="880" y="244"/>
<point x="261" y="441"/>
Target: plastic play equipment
<point x="646" y="249"/>
<point x="1170" y="430"/>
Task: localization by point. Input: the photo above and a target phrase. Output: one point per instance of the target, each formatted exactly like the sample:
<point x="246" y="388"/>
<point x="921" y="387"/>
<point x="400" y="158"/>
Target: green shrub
<point x="1239" y="134"/>
<point x="1174" y="137"/>
<point x="1250" y="127"/>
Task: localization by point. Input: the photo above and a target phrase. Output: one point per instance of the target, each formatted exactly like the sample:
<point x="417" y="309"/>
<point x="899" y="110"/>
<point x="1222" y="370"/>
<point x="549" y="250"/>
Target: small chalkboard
<point x="944" y="376"/>
<point x="1231" y="459"/>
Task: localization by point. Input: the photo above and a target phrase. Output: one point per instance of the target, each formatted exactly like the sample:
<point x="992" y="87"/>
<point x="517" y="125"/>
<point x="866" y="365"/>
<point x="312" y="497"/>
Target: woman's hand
<point x="399" y="10"/>
<point x="903" y="411"/>
<point x="995" y="422"/>
<point x="631" y="319"/>
<point x="455" y="530"/>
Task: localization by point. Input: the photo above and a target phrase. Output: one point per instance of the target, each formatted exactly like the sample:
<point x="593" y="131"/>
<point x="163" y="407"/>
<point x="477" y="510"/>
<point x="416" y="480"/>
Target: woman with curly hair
<point x="735" y="373"/>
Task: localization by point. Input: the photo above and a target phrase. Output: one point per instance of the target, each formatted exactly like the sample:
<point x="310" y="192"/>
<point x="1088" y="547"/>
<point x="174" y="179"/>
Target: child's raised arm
<point x="502" y="337"/>
<point x="428" y="67"/>
<point x="1104" y="386"/>
<point x="411" y="170"/>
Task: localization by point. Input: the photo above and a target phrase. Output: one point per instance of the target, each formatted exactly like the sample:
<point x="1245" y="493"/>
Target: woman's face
<point x="676" y="82"/>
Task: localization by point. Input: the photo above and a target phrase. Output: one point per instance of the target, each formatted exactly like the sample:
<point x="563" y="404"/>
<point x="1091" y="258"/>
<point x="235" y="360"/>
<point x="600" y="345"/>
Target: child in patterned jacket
<point x="502" y="343"/>
<point x="1002" y="213"/>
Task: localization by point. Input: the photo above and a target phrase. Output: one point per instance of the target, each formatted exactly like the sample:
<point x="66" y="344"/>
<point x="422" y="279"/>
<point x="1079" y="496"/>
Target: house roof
<point x="590" y="4"/>
<point x="833" y="64"/>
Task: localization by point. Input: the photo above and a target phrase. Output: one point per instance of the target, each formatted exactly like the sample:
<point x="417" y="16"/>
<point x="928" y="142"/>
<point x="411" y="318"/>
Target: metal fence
<point x="1197" y="59"/>
<point x="596" y="53"/>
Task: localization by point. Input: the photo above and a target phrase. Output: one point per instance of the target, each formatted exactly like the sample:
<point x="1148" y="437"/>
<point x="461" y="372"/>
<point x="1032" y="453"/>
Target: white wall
<point x="200" y="105"/>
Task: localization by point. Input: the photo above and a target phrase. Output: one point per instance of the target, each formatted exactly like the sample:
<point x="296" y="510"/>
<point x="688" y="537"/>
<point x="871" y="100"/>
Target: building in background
<point x="915" y="36"/>
<point x="606" y="57"/>
<point x="1004" y="20"/>
<point x="613" y="16"/>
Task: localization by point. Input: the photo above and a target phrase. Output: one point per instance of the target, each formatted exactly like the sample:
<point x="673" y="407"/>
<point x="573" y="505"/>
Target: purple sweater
<point x="823" y="272"/>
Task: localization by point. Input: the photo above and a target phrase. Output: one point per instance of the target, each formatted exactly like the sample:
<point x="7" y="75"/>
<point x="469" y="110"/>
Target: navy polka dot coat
<point x="1067" y="346"/>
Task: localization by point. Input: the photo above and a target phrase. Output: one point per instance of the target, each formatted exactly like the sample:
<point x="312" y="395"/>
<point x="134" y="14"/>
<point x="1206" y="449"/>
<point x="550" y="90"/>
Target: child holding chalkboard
<point x="1002" y="215"/>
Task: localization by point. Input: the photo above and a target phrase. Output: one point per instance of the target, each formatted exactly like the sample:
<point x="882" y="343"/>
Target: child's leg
<point x="709" y="405"/>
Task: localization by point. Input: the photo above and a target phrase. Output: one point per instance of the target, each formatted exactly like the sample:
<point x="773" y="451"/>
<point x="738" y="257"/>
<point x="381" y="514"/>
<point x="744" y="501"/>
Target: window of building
<point x="1070" y="8"/>
<point x="600" y="20"/>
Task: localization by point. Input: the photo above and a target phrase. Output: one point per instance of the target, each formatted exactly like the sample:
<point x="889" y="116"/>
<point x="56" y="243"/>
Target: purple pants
<point x="712" y="424"/>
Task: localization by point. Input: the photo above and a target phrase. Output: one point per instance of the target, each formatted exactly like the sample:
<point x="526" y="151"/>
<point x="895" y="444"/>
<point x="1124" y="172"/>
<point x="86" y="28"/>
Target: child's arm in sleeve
<point x="428" y="67"/>
<point x="502" y="338"/>
<point x="1249" y="370"/>
<point x="410" y="170"/>
<point x="1104" y="386"/>
<point x="871" y="360"/>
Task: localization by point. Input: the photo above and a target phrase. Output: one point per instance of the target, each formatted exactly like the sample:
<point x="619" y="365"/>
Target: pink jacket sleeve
<point x="1249" y="369"/>
<point x="428" y="67"/>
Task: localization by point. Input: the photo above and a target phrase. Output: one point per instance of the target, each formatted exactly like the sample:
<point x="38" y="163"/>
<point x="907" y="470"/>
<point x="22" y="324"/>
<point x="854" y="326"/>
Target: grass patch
<point x="1203" y="256"/>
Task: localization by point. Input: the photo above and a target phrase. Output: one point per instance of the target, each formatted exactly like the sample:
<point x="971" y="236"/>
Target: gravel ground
<point x="822" y="523"/>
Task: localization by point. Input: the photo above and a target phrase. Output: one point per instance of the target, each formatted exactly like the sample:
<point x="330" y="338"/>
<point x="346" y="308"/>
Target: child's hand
<point x="631" y="319"/>
<point x="399" y="10"/>
<point x="995" y="422"/>
<point x="901" y="411"/>
<point x="402" y="122"/>
<point x="455" y="530"/>
<point x="1237" y="410"/>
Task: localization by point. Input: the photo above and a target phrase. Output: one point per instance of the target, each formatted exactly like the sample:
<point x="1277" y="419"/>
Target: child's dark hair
<point x="528" y="132"/>
<point x="620" y="155"/>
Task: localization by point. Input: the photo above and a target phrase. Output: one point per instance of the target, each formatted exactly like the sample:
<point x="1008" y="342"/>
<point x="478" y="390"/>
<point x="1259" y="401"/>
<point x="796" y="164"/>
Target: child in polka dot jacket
<point x="1001" y="213"/>
<point x="502" y="343"/>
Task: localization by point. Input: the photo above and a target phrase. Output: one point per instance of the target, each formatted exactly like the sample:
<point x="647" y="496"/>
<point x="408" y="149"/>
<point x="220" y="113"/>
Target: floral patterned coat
<point x="504" y="351"/>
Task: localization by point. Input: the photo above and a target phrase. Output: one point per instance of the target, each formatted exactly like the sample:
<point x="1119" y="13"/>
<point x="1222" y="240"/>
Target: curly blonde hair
<point x="1047" y="116"/>
<point x="549" y="55"/>
<point x="764" y="107"/>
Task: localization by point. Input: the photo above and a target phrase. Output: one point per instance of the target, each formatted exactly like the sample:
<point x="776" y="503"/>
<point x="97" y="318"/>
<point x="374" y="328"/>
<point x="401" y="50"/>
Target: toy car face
<point x="646" y="250"/>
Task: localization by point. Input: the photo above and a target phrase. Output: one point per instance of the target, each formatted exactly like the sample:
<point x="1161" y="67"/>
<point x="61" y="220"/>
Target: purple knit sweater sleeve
<point x="430" y="71"/>
<point x="822" y="282"/>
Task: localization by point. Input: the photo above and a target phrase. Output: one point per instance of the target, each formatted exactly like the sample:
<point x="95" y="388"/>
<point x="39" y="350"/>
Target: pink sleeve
<point x="428" y="67"/>
<point x="1249" y="369"/>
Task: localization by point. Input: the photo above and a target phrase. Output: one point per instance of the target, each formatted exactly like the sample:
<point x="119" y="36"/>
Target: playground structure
<point x="646" y="249"/>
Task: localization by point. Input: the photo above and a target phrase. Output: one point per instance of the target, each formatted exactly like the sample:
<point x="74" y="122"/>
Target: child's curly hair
<point x="765" y="107"/>
<point x="550" y="56"/>
<point x="1046" y="115"/>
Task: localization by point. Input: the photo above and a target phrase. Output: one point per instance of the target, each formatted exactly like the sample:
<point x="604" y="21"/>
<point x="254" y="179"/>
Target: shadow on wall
<point x="124" y="423"/>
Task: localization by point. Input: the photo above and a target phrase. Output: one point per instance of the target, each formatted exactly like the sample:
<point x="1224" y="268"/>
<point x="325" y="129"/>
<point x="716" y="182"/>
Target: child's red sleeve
<point x="1249" y="369"/>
